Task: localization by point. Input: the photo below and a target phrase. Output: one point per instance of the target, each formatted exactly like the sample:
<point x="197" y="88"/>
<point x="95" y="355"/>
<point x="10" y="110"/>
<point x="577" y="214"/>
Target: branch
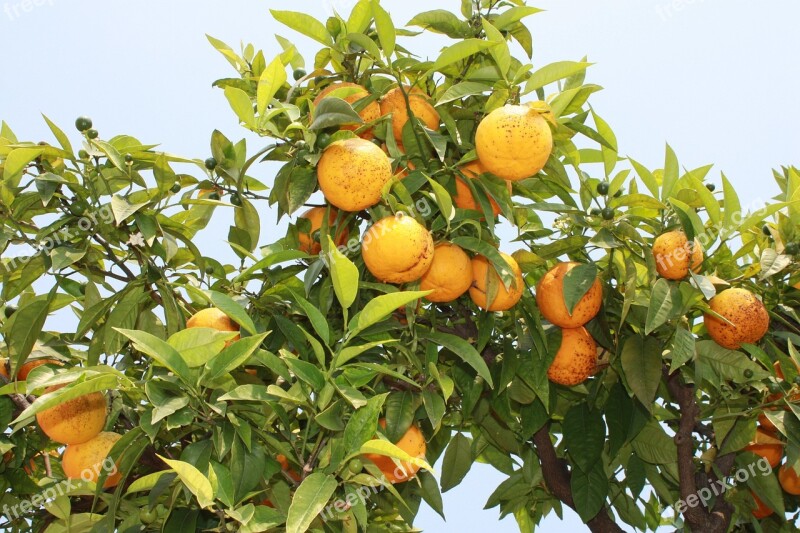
<point x="557" y="479"/>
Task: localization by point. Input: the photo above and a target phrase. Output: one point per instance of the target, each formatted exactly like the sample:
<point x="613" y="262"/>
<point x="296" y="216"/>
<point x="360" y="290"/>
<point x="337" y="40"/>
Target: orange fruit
<point x="352" y="173"/>
<point x="413" y="443"/>
<point x="765" y="422"/>
<point x="316" y="215"/>
<point x="4" y="367"/>
<point x="576" y="358"/>
<point x="789" y="480"/>
<point x="762" y="510"/>
<point x="394" y="102"/>
<point x="26" y="368"/>
<point x="87" y="460"/>
<point x="767" y="446"/>
<point x="450" y="274"/>
<point x="76" y="420"/>
<point x="514" y="142"/>
<point x="214" y="318"/>
<point x="370" y="113"/>
<point x="675" y="256"/>
<point x="550" y="299"/>
<point x="397" y="249"/>
<point x="464" y="199"/>
<point x="483" y="272"/>
<point x="285" y="467"/>
<point x="747" y="314"/>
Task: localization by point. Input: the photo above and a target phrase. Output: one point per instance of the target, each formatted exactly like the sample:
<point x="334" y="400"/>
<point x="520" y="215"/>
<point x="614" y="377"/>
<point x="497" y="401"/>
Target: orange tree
<point x="626" y="392"/>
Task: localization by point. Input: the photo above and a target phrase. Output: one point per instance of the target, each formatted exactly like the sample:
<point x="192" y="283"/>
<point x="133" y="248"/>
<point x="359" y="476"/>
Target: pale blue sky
<point x="716" y="79"/>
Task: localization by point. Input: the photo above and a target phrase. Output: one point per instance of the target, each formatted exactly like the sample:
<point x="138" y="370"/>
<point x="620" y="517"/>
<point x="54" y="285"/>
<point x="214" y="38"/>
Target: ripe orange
<point x="76" y="420"/>
<point x="514" y="142"/>
<point x="576" y="358"/>
<point x="394" y="102"/>
<point x="413" y="443"/>
<point x="464" y="198"/>
<point x="87" y="460"/>
<point x="307" y="242"/>
<point x="767" y="446"/>
<point x="762" y="510"/>
<point x="674" y="255"/>
<point x="352" y="173"/>
<point x="550" y="299"/>
<point x="483" y="272"/>
<point x="214" y="318"/>
<point x="26" y="368"/>
<point x="747" y="314"/>
<point x="450" y="274"/>
<point x="4" y="367"/>
<point x="789" y="480"/>
<point x="397" y="249"/>
<point x="370" y="113"/>
<point x="285" y="467"/>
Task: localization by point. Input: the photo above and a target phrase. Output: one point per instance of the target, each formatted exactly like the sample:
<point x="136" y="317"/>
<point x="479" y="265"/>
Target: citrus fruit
<point x="576" y="358"/>
<point x="394" y="103"/>
<point x="284" y="462"/>
<point x="214" y="318"/>
<point x="514" y="142"/>
<point x="83" y="123"/>
<point x="789" y="480"/>
<point x="87" y="460"/>
<point x="550" y="299"/>
<point x="762" y="510"/>
<point x="312" y="246"/>
<point x="746" y="313"/>
<point x="397" y="249"/>
<point x="413" y="443"/>
<point x="450" y="274"/>
<point x="464" y="199"/>
<point x="352" y="174"/>
<point x="4" y="367"/>
<point x="76" y="420"/>
<point x="767" y="446"/>
<point x="369" y="113"/>
<point x="484" y="276"/>
<point x="674" y="255"/>
<point x="26" y="368"/>
<point x="210" y="163"/>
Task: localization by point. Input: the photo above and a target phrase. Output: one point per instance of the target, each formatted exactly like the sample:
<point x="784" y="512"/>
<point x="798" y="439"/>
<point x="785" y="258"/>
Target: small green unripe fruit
<point x="128" y="158"/>
<point x="92" y="134"/>
<point x="236" y="200"/>
<point x="214" y="196"/>
<point x="765" y="230"/>
<point x="595" y="211"/>
<point x="618" y="193"/>
<point x="711" y="187"/>
<point x="210" y="163"/>
<point x="792" y="248"/>
<point x="299" y="74"/>
<point x="608" y="214"/>
<point x="83" y="154"/>
<point x="355" y="466"/>
<point x="83" y="123"/>
<point x="176" y="188"/>
<point x="147" y="516"/>
<point x="209" y="270"/>
<point x="323" y="140"/>
<point x="602" y="188"/>
<point x="748" y="373"/>
<point x="334" y="26"/>
<point x="9" y="310"/>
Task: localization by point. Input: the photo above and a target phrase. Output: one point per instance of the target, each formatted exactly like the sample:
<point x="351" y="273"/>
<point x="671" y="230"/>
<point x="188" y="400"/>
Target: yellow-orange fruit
<point x="764" y="422"/>
<point x="674" y="256"/>
<point x="413" y="443"/>
<point x="4" y="367"/>
<point x="284" y="462"/>
<point x="762" y="510"/>
<point x="397" y="249"/>
<point x="514" y="142"/>
<point x="789" y="480"/>
<point x="747" y="314"/>
<point x="76" y="420"/>
<point x="352" y="173"/>
<point x="464" y="199"/>
<point x="504" y="299"/>
<point x="315" y="215"/>
<point x="214" y="318"/>
<point x="88" y="460"/>
<point x="550" y="299"/>
<point x="767" y="446"/>
<point x="576" y="358"/>
<point x="370" y="113"/>
<point x="26" y="368"/>
<point x="395" y="103"/>
<point x="450" y="274"/>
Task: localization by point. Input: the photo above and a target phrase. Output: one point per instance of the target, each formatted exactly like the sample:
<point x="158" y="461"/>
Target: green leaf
<point x="344" y="275"/>
<point x="307" y="372"/>
<point x="683" y="348"/>
<point x="162" y="352"/>
<point x="764" y="484"/>
<point x="197" y="346"/>
<point x="457" y="461"/>
<point x="246" y="219"/>
<point x="577" y="283"/>
<point x="589" y="490"/>
<point x="354" y="351"/>
<point x="385" y="27"/>
<point x="309" y="500"/>
<point x="671" y="170"/>
<point x="60" y="136"/>
<point x="315" y="316"/>
<point x="511" y="16"/>
<point x="441" y="21"/>
<point x="728" y="365"/>
<point x="460" y="51"/>
<point x="230" y="307"/>
<point x="94" y="383"/>
<point x="23" y="328"/>
<point x="363" y="424"/>
<point x="16" y="161"/>
<point x="641" y="362"/>
<point x="333" y="111"/>
<point x="384" y="305"/>
<point x="733" y="209"/>
<point x="305" y="24"/>
<point x="661" y="306"/>
<point x="584" y="435"/>
<point x="500" y="52"/>
<point x="233" y="356"/>
<point x="461" y="348"/>
<point x="122" y="209"/>
<point x="194" y="480"/>
<point x="692" y="225"/>
<point x="653" y="445"/>
<point x="241" y="105"/>
<point x="646" y="176"/>
<point x="360" y="17"/>
<point x="463" y="90"/>
<point x="554" y="72"/>
<point x="384" y="447"/>
<point x="492" y="254"/>
<point x="270" y="81"/>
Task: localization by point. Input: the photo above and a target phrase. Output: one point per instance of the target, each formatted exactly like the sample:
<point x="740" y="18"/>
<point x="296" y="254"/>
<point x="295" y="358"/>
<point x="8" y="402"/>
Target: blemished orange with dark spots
<point x="214" y="318"/>
<point x="352" y="173"/>
<point x="762" y="510"/>
<point x="674" y="255"/>
<point x="464" y="199"/>
<point x="514" y="142"/>
<point x="550" y="299"/>
<point x="76" y="420"/>
<point x="370" y="113"/>
<point x="789" y="480"/>
<point x="767" y="446"/>
<point x="483" y="272"/>
<point x="87" y="460"/>
<point x="315" y="215"/>
<point x="450" y="274"/>
<point x="576" y="358"/>
<point x="413" y="443"/>
<point x="397" y="249"/>
<point x="394" y="103"/>
<point x="746" y="313"/>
